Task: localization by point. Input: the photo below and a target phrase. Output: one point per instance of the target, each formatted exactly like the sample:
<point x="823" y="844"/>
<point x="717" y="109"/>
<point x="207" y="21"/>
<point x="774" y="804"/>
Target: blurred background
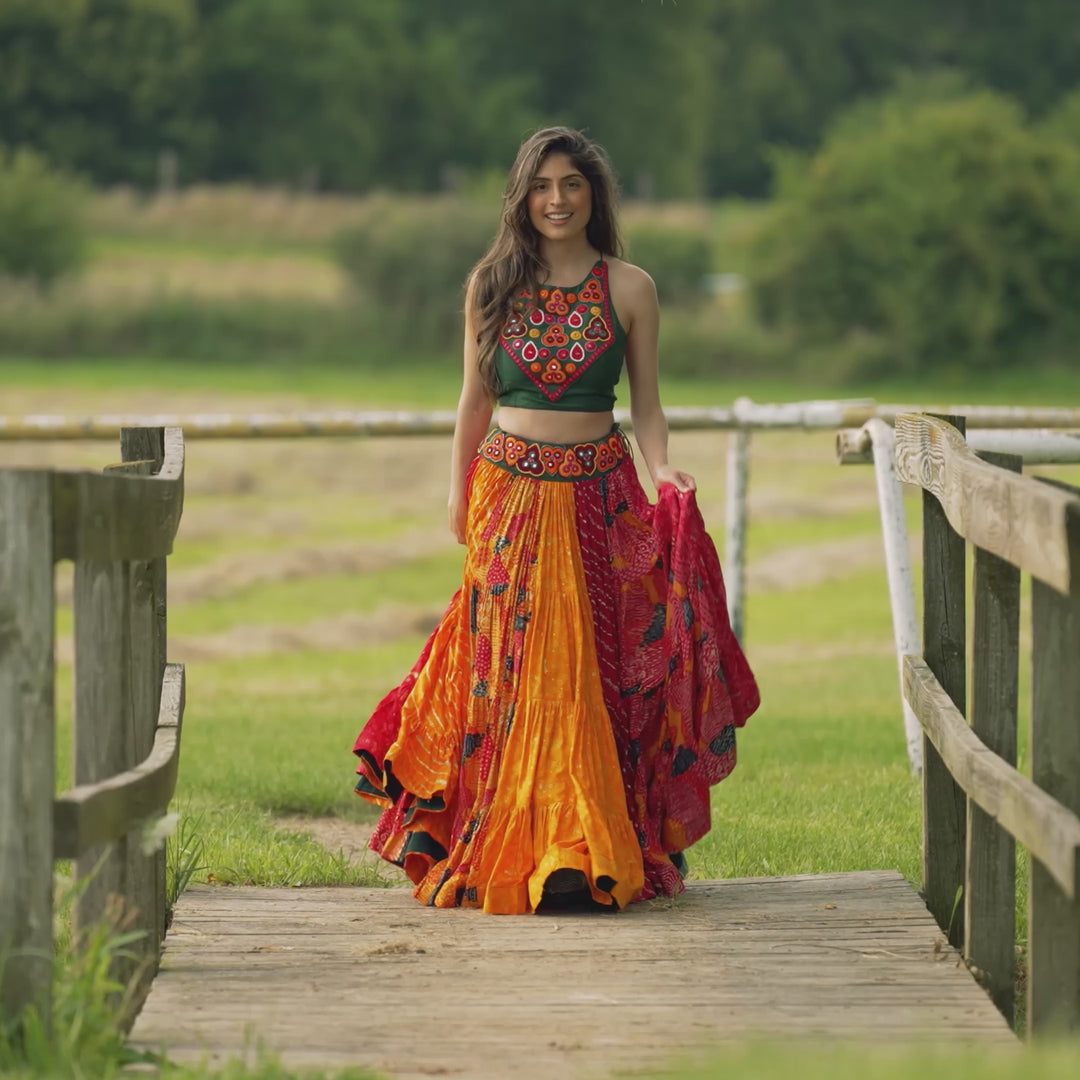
<point x="273" y="204"/>
<point x="830" y="194"/>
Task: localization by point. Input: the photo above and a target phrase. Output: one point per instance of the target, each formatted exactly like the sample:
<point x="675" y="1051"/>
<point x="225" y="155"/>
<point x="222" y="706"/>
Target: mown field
<point x="307" y="574"/>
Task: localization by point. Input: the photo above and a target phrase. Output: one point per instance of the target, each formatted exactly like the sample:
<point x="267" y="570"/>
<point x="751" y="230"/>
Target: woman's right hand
<point x="458" y="511"/>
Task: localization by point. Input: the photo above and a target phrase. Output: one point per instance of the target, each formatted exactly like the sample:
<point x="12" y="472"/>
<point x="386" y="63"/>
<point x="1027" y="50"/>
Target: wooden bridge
<point x="368" y="977"/>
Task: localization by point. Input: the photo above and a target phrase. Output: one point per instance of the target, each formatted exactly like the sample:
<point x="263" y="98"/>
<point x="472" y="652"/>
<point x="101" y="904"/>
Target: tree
<point x="100" y="86"/>
<point x="950" y="234"/>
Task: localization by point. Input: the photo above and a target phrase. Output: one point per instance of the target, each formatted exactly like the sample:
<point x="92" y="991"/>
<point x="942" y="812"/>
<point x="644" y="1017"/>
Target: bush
<point x="950" y="233"/>
<point x="1063" y="122"/>
<point x="42" y="231"/>
<point x="679" y="258"/>
<point x="179" y="328"/>
<point x="410" y="264"/>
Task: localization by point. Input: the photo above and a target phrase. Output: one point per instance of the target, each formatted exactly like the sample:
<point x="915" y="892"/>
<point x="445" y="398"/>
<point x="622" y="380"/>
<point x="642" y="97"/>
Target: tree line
<point x="692" y="99"/>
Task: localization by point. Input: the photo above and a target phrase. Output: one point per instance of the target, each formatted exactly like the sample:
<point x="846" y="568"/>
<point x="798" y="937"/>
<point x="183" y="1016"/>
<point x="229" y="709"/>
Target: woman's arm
<point x="643" y="370"/>
<point x="473" y="416"/>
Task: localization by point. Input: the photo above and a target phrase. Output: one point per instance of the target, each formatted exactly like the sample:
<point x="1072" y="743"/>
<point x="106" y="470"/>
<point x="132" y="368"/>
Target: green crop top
<point x="567" y="353"/>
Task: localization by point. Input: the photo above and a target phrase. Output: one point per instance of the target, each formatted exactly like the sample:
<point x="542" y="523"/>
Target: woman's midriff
<point x="555" y="426"/>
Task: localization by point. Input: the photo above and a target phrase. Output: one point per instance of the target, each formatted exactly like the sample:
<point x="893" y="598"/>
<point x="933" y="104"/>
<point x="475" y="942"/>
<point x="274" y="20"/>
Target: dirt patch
<point x="237" y="573"/>
<point x="795" y="652"/>
<point x="350" y="838"/>
<point x="806" y="565"/>
<point x="336" y="632"/>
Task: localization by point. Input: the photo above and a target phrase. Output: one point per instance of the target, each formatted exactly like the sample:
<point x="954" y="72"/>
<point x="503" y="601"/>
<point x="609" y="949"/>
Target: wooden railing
<point x="117" y="527"/>
<point x="976" y="804"/>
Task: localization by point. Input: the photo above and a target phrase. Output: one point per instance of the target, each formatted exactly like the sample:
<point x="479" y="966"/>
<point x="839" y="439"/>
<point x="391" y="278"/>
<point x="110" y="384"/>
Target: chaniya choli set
<point x="581" y="693"/>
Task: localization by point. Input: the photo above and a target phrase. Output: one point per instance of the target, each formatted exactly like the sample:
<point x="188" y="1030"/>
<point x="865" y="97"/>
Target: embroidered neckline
<point x="557" y="337"/>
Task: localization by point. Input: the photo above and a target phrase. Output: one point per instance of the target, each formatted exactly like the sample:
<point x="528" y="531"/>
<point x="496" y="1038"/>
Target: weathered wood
<point x="1036" y="447"/>
<point x="1054" y="925"/>
<point x="990" y="893"/>
<point x="119" y="657"/>
<point x="105" y="738"/>
<point x="94" y="814"/>
<point x="144" y="448"/>
<point x="944" y="643"/>
<point x="576" y="995"/>
<point x="27" y="734"/>
<point x="106" y="517"/>
<point x="1035" y="818"/>
<point x="1015" y="518"/>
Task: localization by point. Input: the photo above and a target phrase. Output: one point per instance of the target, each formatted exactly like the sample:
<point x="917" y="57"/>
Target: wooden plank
<point x="576" y="995"/>
<point x="1036" y="447"/>
<point x="104" y="517"/>
<point x="990" y="892"/>
<point x="145" y="448"/>
<point x="105" y="739"/>
<point x="1054" y="925"/>
<point x="1011" y="516"/>
<point x="27" y="734"/>
<point x="93" y="814"/>
<point x="1035" y="818"/>
<point x="944" y="615"/>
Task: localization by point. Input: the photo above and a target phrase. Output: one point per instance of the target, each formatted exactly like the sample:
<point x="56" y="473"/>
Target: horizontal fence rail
<point x="93" y="814"/>
<point x="976" y="804"/>
<point x="1037" y="446"/>
<point x="117" y="527"/>
<point x="744" y="414"/>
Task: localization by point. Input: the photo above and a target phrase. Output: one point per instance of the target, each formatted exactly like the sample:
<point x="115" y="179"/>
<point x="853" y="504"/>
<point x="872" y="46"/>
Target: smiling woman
<point x="555" y="743"/>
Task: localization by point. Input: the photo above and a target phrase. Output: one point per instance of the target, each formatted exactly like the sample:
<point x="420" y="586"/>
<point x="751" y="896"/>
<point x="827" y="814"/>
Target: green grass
<point x="415" y="582"/>
<point x="817" y="1060"/>
<point x="432" y="381"/>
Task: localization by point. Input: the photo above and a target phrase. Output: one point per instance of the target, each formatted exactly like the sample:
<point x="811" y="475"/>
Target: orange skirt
<point x="498" y="760"/>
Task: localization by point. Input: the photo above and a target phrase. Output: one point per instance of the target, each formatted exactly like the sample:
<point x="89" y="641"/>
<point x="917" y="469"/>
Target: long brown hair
<point x="513" y="263"/>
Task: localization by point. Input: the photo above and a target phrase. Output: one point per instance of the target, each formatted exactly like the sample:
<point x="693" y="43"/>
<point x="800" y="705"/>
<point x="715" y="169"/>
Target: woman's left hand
<point x="666" y="474"/>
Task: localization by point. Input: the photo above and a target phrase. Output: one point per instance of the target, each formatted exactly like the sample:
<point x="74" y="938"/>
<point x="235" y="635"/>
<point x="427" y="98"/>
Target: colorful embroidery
<point x="554" y="343"/>
<point x="559" y="462"/>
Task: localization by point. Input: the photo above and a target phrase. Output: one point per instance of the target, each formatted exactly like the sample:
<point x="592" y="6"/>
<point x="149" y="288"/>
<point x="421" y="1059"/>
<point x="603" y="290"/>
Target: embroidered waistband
<point x="556" y="461"/>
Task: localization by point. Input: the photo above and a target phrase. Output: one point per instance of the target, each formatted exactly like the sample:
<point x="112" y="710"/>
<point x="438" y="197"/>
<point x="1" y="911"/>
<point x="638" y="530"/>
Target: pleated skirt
<point x="577" y="699"/>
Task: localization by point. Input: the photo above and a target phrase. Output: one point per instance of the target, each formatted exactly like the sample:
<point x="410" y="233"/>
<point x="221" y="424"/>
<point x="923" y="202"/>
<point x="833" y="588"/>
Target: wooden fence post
<point x="119" y="662"/>
<point x="146" y="447"/>
<point x="1054" y="923"/>
<point x="990" y="891"/>
<point x="944" y="802"/>
<point x="27" y="737"/>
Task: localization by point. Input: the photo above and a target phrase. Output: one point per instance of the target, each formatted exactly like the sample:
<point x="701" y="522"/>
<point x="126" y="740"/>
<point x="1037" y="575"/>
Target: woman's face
<point x="560" y="199"/>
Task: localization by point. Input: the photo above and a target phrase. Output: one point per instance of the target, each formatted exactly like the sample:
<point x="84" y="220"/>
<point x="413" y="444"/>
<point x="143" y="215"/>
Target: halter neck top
<point x="563" y="351"/>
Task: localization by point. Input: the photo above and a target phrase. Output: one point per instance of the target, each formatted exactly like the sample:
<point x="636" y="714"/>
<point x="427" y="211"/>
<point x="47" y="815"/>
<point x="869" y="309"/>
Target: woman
<point x="556" y="740"/>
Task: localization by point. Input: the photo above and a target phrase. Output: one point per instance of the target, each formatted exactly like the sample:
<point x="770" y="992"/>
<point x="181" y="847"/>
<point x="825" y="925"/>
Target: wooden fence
<point x="117" y="527"/>
<point x="976" y="804"/>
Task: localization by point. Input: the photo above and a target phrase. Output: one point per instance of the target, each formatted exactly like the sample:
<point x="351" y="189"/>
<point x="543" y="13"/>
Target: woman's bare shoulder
<point x="630" y="280"/>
